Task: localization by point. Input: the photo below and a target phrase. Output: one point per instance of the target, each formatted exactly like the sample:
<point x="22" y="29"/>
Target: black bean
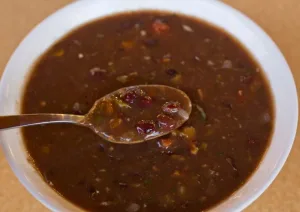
<point x="121" y="49"/>
<point x="100" y="148"/>
<point x="81" y="182"/>
<point x="240" y="64"/>
<point x="227" y="105"/>
<point x="251" y="141"/>
<point x="150" y="42"/>
<point x="185" y="205"/>
<point x="137" y="176"/>
<point x="126" y="25"/>
<point x="171" y="72"/>
<point x="90" y="189"/>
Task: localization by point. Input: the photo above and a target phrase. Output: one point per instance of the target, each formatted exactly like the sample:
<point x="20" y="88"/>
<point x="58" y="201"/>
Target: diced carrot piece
<point x="190" y="133"/>
<point x="59" y="53"/>
<point x="177" y="79"/>
<point x="200" y="93"/>
<point x="166" y="142"/>
<point x="178" y="157"/>
<point x="114" y="123"/>
<point x="127" y="44"/>
<point x="166" y="60"/>
<point x="154" y="168"/>
<point x="106" y="108"/>
<point x="160" y="27"/>
<point x="176" y="173"/>
<point x="240" y="96"/>
<point x="45" y="149"/>
<point x="109" y="109"/>
<point x="123" y="79"/>
<point x="194" y="149"/>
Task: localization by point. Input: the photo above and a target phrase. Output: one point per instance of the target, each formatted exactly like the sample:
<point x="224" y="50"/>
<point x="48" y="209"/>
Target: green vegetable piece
<point x="202" y="112"/>
<point x="203" y="146"/>
<point x="121" y="104"/>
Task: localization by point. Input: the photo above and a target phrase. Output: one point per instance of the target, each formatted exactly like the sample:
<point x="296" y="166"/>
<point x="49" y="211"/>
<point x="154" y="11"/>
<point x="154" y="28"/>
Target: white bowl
<point x="248" y="33"/>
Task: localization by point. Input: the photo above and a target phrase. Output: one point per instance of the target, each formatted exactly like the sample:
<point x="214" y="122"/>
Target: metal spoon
<point x="106" y="117"/>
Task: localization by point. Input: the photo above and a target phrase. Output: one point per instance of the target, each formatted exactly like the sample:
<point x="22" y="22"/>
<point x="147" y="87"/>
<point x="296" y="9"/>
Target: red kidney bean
<point x="166" y="122"/>
<point x="171" y="107"/>
<point x="145" y="127"/>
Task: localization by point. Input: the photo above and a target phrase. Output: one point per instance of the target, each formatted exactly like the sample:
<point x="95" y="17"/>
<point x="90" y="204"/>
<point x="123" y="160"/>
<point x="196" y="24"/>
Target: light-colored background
<point x="279" y="18"/>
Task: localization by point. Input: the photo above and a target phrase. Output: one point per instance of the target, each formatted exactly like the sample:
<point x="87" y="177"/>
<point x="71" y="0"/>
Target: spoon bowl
<point x="138" y="113"/>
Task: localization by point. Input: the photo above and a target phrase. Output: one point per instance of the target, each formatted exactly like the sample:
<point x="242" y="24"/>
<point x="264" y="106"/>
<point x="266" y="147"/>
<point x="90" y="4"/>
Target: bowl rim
<point x="75" y="6"/>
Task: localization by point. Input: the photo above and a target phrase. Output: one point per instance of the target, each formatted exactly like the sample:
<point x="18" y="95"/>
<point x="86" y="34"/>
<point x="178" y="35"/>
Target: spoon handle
<point x="7" y="122"/>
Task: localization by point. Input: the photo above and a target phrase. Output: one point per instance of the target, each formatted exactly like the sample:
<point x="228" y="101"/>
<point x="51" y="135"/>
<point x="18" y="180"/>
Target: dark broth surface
<point x="191" y="169"/>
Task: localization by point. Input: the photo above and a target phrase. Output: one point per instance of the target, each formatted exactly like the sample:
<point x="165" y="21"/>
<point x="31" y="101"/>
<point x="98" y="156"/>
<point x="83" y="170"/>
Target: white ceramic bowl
<point x="248" y="33"/>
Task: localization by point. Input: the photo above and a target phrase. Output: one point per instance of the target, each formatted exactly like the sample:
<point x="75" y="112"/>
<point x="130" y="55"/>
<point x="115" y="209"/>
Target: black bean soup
<point x="191" y="169"/>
